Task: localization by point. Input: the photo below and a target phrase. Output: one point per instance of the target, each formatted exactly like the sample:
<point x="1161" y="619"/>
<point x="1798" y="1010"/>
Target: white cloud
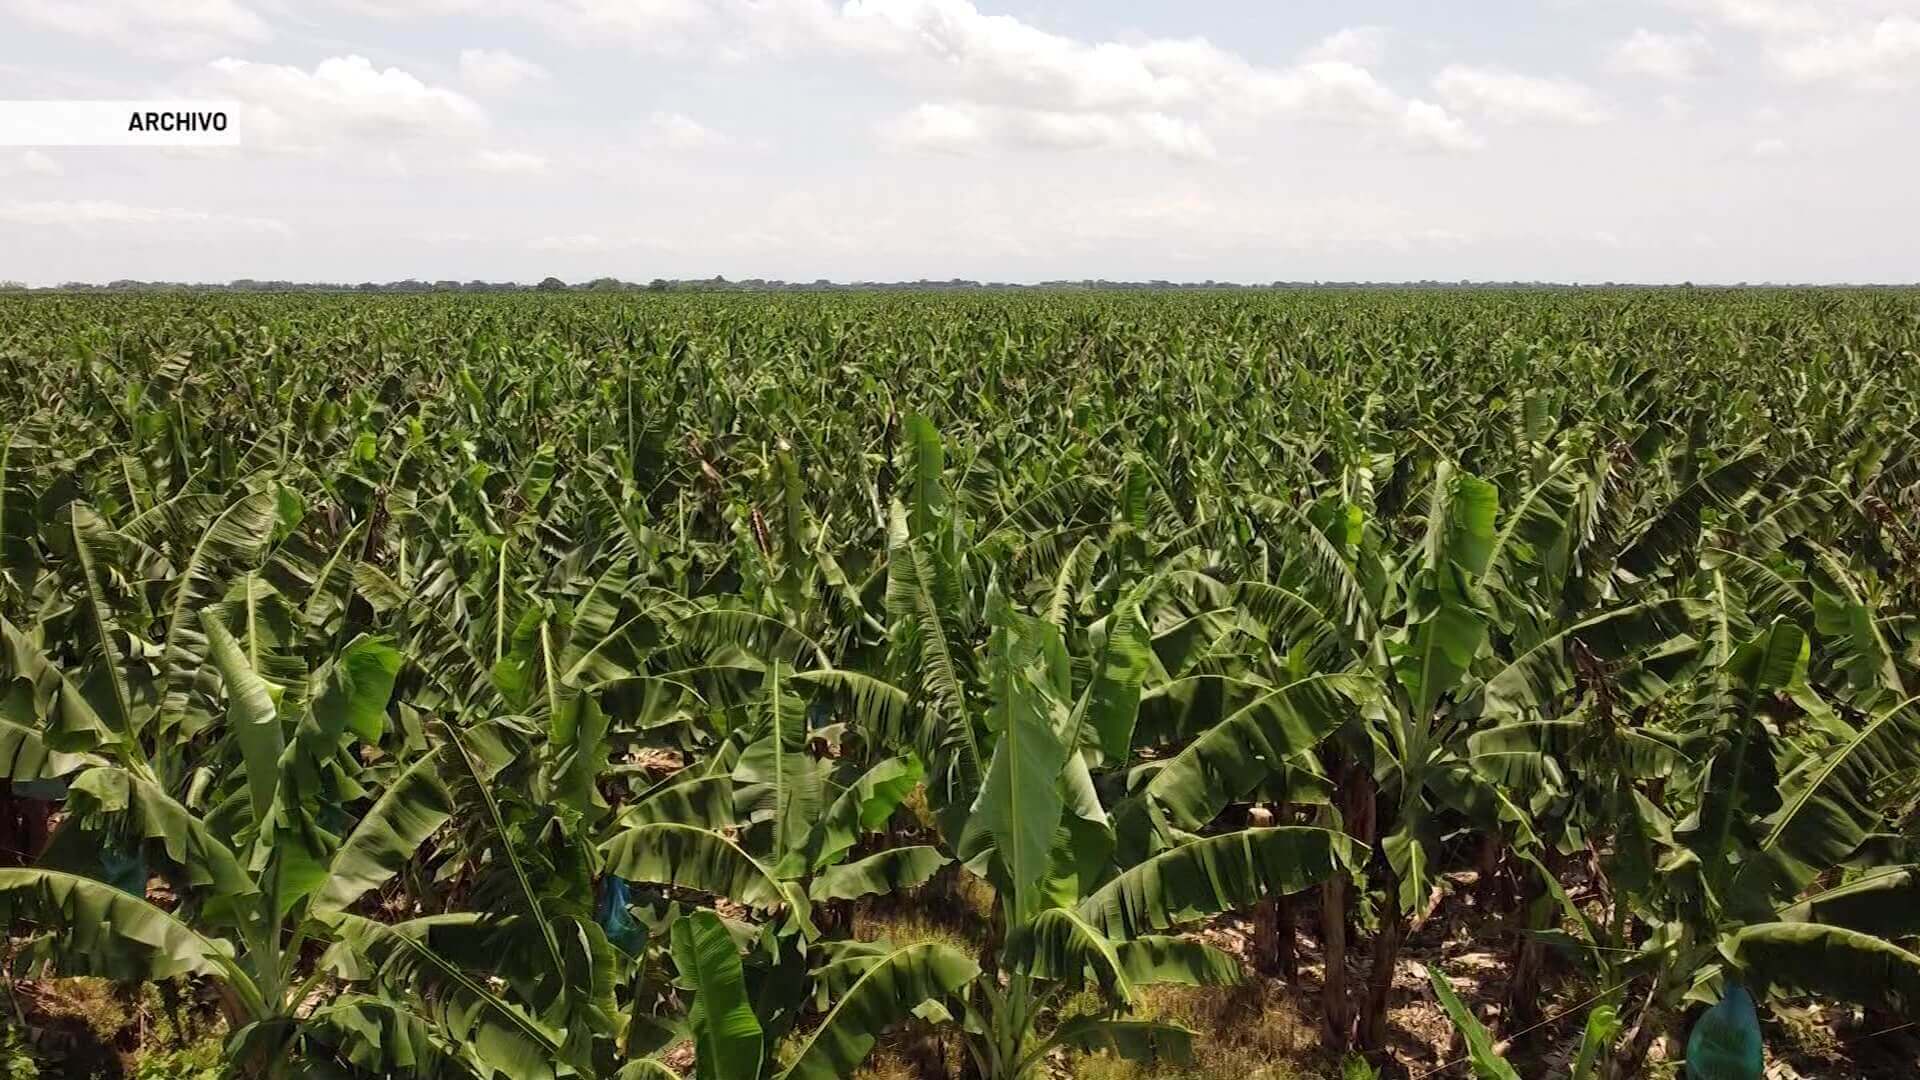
<point x="1866" y="44"/>
<point x="999" y="60"/>
<point x="679" y="131"/>
<point x="176" y="28"/>
<point x="497" y="71"/>
<point x="1362" y="45"/>
<point x="510" y="161"/>
<point x="651" y="25"/>
<point x="1882" y="55"/>
<point x="343" y="98"/>
<point x="1339" y="91"/>
<point x="953" y="128"/>
<point x="1769" y="148"/>
<point x="1762" y="16"/>
<point x="30" y="163"/>
<point x="963" y="127"/>
<point x="1674" y="57"/>
<point x="951" y="51"/>
<point x="1430" y="125"/>
<point x="1510" y="98"/>
<point x="1077" y="141"/>
<point x="89" y="212"/>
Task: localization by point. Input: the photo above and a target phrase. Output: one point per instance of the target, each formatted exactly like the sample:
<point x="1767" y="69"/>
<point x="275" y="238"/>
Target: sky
<point x="1004" y="140"/>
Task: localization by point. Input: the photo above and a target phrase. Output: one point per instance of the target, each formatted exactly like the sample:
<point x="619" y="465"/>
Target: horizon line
<point x="751" y="284"/>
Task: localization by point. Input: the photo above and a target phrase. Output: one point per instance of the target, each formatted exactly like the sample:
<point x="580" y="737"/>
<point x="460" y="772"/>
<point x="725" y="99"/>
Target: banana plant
<point x="1017" y="804"/>
<point x="1074" y="917"/>
<point x="260" y="877"/>
<point x="1778" y="807"/>
<point x="1411" y="636"/>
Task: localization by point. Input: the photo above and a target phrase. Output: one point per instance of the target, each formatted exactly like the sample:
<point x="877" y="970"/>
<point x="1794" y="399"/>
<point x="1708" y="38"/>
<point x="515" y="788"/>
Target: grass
<point x="886" y="1065"/>
<point x="1249" y="1032"/>
<point x="90" y="1027"/>
<point x="87" y="1004"/>
<point x="1244" y="1033"/>
<point x="909" y="928"/>
<point x="204" y="1060"/>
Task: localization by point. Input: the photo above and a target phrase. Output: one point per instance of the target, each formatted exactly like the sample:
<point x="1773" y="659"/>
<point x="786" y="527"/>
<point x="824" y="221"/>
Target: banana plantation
<point x="816" y="686"/>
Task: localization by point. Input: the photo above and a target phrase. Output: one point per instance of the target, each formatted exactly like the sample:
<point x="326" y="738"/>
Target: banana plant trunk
<point x="1275" y="951"/>
<point x="1529" y="955"/>
<point x="1490" y="890"/>
<point x="1335" y="1008"/>
<point x="1358" y="794"/>
<point x="926" y="1052"/>
<point x="25" y="826"/>
<point x="1625" y="1062"/>
<point x="1386" y="954"/>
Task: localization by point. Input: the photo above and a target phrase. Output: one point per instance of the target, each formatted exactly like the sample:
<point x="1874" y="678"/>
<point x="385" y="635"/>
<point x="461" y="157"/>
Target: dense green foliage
<point x="518" y="686"/>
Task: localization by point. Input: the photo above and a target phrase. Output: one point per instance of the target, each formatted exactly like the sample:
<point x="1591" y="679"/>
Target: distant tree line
<point x="721" y="284"/>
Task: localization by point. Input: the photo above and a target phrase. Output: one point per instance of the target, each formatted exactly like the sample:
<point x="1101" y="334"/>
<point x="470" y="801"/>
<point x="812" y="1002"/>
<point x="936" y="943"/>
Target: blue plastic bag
<point x="1725" y="1043"/>
<point x="622" y="929"/>
<point x="124" y="868"/>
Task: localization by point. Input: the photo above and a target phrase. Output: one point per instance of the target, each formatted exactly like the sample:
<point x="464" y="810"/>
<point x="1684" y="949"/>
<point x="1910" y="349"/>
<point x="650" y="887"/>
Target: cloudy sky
<point x="1249" y="140"/>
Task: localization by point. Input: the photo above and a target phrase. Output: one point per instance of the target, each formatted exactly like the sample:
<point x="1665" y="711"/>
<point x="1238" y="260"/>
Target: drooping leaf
<point x="728" y="1042"/>
<point x="94" y="544"/>
<point x="37" y="695"/>
<point x="25" y="755"/>
<point x="1214" y="874"/>
<point x="1832" y="961"/>
<point x="669" y="853"/>
<point x="928" y="459"/>
<point x="1884" y="903"/>
<point x="1460" y="526"/>
<point x="1829" y="811"/>
<point x="1143" y="1041"/>
<point x="888" y="991"/>
<point x="1061" y="946"/>
<point x="500" y="1033"/>
<point x="414" y="805"/>
<point x="1677" y="526"/>
<point x="1534" y="681"/>
<point x="202" y="861"/>
<point x="922" y="638"/>
<point x="100" y="930"/>
<point x="884" y="872"/>
<point x="703" y="801"/>
<point x="1153" y="959"/>
<point x="874" y="705"/>
<point x="380" y="1034"/>
<point x="1229" y="759"/>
